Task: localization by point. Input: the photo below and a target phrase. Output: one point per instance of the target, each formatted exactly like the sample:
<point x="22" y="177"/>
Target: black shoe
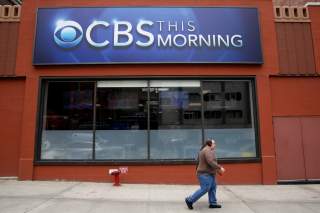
<point x="189" y="204"/>
<point x="215" y="206"/>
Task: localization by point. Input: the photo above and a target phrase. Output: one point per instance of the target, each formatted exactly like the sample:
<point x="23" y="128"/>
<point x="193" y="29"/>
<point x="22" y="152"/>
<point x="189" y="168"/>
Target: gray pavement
<point x="87" y="197"/>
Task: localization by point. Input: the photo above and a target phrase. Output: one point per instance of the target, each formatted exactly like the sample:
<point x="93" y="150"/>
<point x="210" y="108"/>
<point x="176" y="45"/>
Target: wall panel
<point x="315" y="23"/>
<point x="8" y="47"/>
<point x="295" y="48"/>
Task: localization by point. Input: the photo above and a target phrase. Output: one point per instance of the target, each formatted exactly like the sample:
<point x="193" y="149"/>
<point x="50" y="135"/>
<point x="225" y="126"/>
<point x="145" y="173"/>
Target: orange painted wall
<point x="295" y="96"/>
<point x="11" y="107"/>
<point x="263" y="172"/>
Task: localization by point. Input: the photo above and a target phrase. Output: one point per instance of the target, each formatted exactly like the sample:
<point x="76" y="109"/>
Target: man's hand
<point x="221" y="170"/>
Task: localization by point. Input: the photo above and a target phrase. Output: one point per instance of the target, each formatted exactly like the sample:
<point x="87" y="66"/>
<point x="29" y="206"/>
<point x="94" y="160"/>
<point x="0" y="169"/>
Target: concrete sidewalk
<point x="85" y="197"/>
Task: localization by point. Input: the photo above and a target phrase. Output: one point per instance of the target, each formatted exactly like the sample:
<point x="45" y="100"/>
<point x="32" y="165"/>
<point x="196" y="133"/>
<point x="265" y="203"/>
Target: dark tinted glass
<point x="68" y="116"/>
<point x="69" y="106"/>
<point x="147" y="120"/>
<point x="175" y="119"/>
<point x="122" y="125"/>
<point x="121" y="108"/>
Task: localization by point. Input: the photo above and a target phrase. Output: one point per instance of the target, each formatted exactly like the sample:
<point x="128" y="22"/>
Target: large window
<point x="228" y="117"/>
<point x="146" y="120"/>
<point x="121" y="121"/>
<point x="175" y="119"/>
<point x="68" y="121"/>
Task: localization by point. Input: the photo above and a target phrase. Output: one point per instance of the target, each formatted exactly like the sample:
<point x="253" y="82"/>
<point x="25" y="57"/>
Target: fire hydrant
<point x="116" y="174"/>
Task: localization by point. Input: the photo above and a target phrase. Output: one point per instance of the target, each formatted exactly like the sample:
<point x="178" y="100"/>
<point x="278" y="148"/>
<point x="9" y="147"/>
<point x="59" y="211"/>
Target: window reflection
<point x="228" y="119"/>
<point x="175" y="119"/>
<point x="122" y="111"/>
<point x="147" y="120"/>
<point x="68" y="121"/>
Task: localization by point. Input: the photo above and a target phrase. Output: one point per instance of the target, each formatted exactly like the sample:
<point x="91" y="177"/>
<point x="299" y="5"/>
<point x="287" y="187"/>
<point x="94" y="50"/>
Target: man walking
<point x="207" y="169"/>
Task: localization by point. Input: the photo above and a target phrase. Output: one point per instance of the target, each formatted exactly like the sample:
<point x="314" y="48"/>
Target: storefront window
<point x="121" y="127"/>
<point x="68" y="121"/>
<point x="175" y="119"/>
<point x="228" y="118"/>
<point x="147" y="120"/>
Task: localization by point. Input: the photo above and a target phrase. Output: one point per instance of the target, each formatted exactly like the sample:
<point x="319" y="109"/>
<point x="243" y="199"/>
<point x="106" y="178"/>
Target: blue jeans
<point x="207" y="184"/>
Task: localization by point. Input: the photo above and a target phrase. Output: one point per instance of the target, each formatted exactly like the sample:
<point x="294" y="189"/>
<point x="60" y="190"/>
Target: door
<point x="289" y="149"/>
<point x="297" y="147"/>
<point x="311" y="145"/>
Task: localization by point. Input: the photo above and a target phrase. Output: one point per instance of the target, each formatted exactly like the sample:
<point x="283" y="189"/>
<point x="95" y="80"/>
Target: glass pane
<point x="122" y="121"/>
<point x="66" y="144"/>
<point x="233" y="143"/>
<point x="68" y="119"/>
<point x="121" y="144"/>
<point x="228" y="117"/>
<point x="175" y="119"/>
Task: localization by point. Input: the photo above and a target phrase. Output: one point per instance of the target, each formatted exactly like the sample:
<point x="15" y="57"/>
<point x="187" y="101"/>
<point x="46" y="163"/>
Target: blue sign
<point x="147" y="35"/>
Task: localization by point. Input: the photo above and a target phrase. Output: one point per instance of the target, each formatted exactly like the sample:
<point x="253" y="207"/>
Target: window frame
<point x="43" y="88"/>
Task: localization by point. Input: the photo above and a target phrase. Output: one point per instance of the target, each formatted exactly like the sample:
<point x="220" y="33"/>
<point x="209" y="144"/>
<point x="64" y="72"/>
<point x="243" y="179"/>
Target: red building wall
<point x="243" y="173"/>
<point x="295" y="96"/>
<point x="11" y="109"/>
<point x="295" y="107"/>
<point x="295" y="103"/>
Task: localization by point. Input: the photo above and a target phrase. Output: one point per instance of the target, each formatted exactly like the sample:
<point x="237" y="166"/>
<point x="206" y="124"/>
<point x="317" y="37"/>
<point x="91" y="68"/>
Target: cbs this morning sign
<point x="147" y="35"/>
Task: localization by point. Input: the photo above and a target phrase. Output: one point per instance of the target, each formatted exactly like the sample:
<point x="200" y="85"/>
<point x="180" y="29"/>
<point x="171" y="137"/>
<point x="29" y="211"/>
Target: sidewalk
<point x="86" y="197"/>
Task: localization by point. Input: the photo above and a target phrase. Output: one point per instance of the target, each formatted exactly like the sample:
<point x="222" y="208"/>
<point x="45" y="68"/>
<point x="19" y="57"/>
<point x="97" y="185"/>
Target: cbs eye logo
<point x="68" y="34"/>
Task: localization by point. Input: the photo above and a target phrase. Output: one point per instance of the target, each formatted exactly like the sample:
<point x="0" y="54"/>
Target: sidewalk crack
<point x="242" y="200"/>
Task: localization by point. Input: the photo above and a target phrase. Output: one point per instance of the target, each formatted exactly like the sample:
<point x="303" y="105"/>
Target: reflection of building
<point x="89" y="118"/>
<point x="227" y="103"/>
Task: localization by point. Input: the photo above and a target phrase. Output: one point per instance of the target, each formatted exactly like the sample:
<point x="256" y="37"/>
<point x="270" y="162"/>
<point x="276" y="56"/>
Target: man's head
<point x="211" y="143"/>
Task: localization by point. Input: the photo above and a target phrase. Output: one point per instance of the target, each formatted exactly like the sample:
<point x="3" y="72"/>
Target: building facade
<point x="89" y="86"/>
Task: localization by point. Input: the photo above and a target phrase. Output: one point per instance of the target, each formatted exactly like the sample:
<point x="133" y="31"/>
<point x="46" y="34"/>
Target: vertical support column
<point x="267" y="144"/>
<point x="314" y="14"/>
<point x="27" y="141"/>
<point x="26" y="39"/>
